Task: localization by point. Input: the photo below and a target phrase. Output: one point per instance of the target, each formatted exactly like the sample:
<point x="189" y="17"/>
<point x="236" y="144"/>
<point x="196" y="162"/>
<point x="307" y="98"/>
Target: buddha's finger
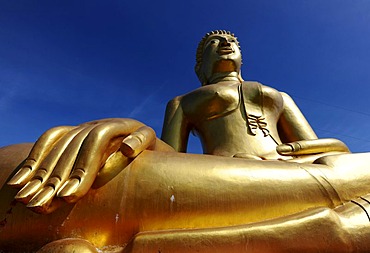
<point x="288" y="148"/>
<point x="100" y="121"/>
<point x="46" y="167"/>
<point x="101" y="142"/>
<point x="308" y="147"/>
<point x="142" y="139"/>
<point x="39" y="151"/>
<point x="41" y="202"/>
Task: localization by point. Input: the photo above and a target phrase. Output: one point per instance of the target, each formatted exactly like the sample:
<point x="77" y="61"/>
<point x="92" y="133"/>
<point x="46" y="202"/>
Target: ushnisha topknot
<point x="199" y="54"/>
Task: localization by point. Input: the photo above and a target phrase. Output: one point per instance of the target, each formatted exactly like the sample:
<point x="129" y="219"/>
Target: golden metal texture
<point x="266" y="183"/>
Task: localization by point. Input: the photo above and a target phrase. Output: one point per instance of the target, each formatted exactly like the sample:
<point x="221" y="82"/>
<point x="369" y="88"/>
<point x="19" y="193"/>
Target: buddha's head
<point x="218" y="53"/>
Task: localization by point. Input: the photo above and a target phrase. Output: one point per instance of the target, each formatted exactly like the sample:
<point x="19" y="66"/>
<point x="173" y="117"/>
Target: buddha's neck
<point x="224" y="76"/>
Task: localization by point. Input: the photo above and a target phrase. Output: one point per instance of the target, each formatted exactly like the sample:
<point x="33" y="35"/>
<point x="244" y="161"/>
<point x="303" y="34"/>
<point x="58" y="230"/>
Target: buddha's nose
<point x="225" y="43"/>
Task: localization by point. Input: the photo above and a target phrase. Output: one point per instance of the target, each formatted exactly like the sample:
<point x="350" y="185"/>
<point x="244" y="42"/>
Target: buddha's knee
<point x="68" y="245"/>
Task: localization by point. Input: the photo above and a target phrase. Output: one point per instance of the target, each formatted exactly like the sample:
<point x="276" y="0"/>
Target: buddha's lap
<point x="172" y="190"/>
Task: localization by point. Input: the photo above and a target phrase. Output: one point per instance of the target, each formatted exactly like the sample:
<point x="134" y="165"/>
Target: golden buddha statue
<point x="266" y="183"/>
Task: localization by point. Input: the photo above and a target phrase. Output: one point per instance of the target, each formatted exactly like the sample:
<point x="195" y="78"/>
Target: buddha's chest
<point x="211" y="102"/>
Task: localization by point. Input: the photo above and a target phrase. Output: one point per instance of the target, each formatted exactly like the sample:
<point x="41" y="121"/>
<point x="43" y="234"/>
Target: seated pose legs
<point x="266" y="183"/>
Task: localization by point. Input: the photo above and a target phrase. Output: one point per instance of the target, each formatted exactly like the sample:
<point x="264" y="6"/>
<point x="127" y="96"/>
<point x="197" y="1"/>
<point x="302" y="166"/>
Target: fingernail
<point x="132" y="142"/>
<point x="68" y="188"/>
<point x="129" y="145"/>
<point x="25" y="194"/>
<point x="284" y="149"/>
<point x="18" y="178"/>
<point x="49" y="208"/>
<point x="42" y="198"/>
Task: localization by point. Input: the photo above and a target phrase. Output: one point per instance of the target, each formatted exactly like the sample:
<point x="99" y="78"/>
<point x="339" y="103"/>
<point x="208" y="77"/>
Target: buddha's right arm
<point x="65" y="160"/>
<point x="175" y="131"/>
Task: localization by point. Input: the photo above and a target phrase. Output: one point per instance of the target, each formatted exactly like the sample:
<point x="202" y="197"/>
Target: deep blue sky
<point x="67" y="62"/>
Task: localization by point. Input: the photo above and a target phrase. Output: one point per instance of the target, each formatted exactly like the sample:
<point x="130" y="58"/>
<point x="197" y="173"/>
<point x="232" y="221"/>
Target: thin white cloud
<point x="10" y="89"/>
<point x="142" y="107"/>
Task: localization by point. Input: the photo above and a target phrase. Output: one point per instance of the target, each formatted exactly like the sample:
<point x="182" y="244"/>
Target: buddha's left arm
<point x="298" y="135"/>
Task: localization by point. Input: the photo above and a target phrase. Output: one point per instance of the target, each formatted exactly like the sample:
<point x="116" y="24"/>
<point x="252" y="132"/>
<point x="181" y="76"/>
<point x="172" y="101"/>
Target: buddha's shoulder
<point x="267" y="91"/>
<point x="212" y="89"/>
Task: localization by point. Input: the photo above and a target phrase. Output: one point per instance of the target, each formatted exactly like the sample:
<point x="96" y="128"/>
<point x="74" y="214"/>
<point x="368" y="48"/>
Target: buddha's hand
<point x="309" y="147"/>
<point x="66" y="160"/>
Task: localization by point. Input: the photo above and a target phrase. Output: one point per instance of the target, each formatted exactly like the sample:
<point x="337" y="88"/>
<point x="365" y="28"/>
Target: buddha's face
<point x="220" y="54"/>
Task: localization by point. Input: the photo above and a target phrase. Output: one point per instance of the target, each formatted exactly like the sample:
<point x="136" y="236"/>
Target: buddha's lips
<point x="225" y="50"/>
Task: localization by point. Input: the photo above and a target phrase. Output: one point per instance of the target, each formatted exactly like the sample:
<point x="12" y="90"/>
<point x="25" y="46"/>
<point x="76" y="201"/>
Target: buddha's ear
<point x="204" y="80"/>
<point x="201" y="76"/>
<point x="240" y="76"/>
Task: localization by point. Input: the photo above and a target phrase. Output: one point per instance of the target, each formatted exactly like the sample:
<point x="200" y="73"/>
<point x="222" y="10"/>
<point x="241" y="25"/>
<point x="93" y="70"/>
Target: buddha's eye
<point x="233" y="40"/>
<point x="212" y="43"/>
